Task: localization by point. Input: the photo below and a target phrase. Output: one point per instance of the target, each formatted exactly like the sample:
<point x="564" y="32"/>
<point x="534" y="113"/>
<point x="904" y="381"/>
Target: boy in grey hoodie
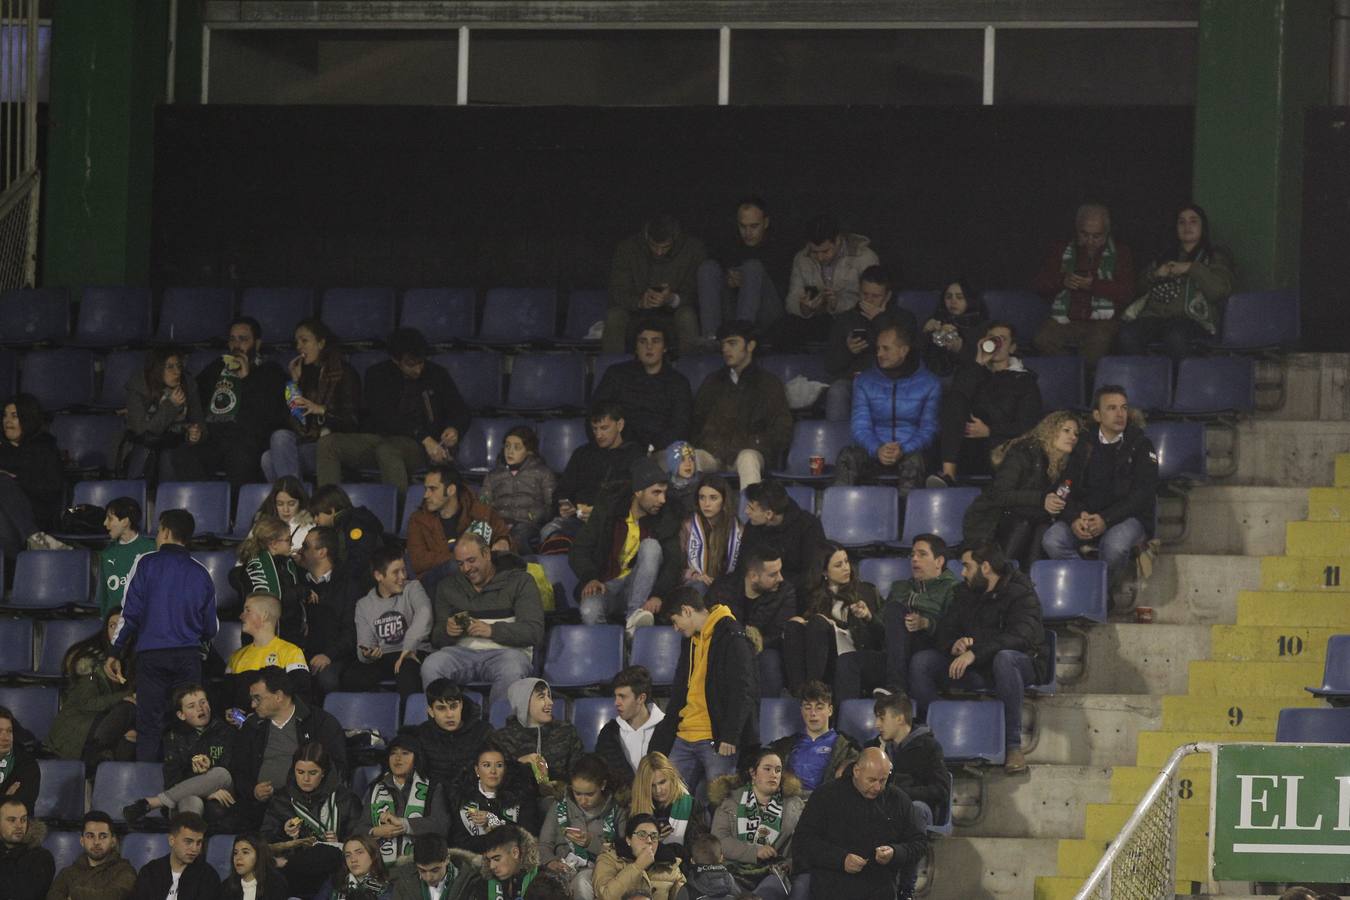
<point x="533" y="737"/>
<point x="393" y="629"/>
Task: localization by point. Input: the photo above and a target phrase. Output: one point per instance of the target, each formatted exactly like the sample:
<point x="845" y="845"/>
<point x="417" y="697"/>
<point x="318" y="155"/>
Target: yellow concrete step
<point x="1156" y="746"/>
<point x="1305" y="573"/>
<point x="1315" y="609"/>
<point x="1130" y="783"/>
<point x="1240" y="715"/>
<point x="1270" y="643"/>
<point x="1105" y="820"/>
<point x="1256" y="679"/>
<point x="1077" y="859"/>
<point x="1053" y="887"/>
<point x="1317" y="539"/>
<point x="1343" y="470"/>
<point x="1329" y="504"/>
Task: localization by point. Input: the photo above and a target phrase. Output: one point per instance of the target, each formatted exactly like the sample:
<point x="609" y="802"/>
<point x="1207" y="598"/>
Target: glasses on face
<point x="649" y="836"/>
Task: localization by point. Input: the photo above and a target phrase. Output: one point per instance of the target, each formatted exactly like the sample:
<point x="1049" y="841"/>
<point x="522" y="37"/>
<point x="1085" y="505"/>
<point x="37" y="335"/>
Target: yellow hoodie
<point x="695" y="723"/>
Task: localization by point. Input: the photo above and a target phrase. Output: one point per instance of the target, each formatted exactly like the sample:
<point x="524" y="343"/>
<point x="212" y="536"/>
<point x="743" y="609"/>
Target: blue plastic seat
<point x="969" y="730"/>
<point x="938" y="511"/>
<point x="64" y="846"/>
<point x="62" y="795"/>
<point x="442" y="315"/>
<point x="112" y="317"/>
<point x="542" y="381"/>
<point x="658" y="649"/>
<point x="58" y="636"/>
<point x="1147" y="379"/>
<point x="560" y="575"/>
<point x="1259" y="319"/>
<point x="1306" y="726"/>
<point x="1335" y="670"/>
<point x="415" y="710"/>
<point x="208" y="501"/>
<point x="16" y="646"/>
<point x="860" y="516"/>
<point x="857" y="719"/>
<point x="141" y="847"/>
<point x="100" y="493"/>
<point x="381" y="499"/>
<point x="119" y="367"/>
<point x="1209" y="385"/>
<point x="47" y="579"/>
<point x="367" y="710"/>
<point x="59" y="379"/>
<point x="219" y="563"/>
<point x="1181" y="448"/>
<point x="815" y="437"/>
<point x="589" y="715"/>
<point x="1025" y="311"/>
<point x="884" y="571"/>
<point x="412" y="502"/>
<point x="920" y="303"/>
<point x="359" y="314"/>
<point x="477" y="375"/>
<point x="584" y="309"/>
<point x="89" y="442"/>
<point x="220" y="854"/>
<point x="362" y="360"/>
<point x="804" y="495"/>
<point x="33" y="316"/>
<point x="603" y="361"/>
<point x="481" y="443"/>
<point x="583" y="655"/>
<point x="195" y="315"/>
<point x="278" y="310"/>
<point x="362" y="776"/>
<point x="788" y="366"/>
<point x="519" y="316"/>
<point x="698" y="366"/>
<point x="778" y="717"/>
<point x="558" y="439"/>
<point x="229" y="638"/>
<point x="34" y="705"/>
<point x="246" y="506"/>
<point x="1071" y="589"/>
<point x="1062" y="381"/>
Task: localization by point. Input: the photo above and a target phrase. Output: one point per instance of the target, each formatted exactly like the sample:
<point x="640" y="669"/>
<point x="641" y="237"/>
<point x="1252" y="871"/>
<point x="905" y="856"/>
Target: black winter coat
<point x="332" y="621"/>
<point x="36" y="464"/>
<point x="1009" y="401"/>
<point x="27" y="774"/>
<point x="1133" y="488"/>
<point x="198" y="882"/>
<point x="420" y="408"/>
<point x="261" y="405"/>
<point x="971" y="325"/>
<point x="1007" y="618"/>
<point x="751" y="413"/>
<point x="801" y="541"/>
<point x="767" y="612"/>
<point x="443" y="755"/>
<point x="181" y="743"/>
<point x="657" y="409"/>
<point x="27" y="869"/>
<point x="591" y="553"/>
<point x="1018" y="489"/>
<point x="312" y="724"/>
<point x="517" y="801"/>
<point x="920" y="770"/>
<point x="590" y="469"/>
<point x="732" y="689"/>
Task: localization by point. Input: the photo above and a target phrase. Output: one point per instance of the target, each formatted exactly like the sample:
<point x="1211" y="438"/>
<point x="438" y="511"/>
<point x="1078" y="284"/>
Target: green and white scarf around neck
<point x="757" y="824"/>
<point x="6" y="767"/>
<point x="497" y="891"/>
<point x="392" y="849"/>
<point x="326" y="821"/>
<point x="1102" y="308"/>
<point x="678" y="819"/>
<point x="262" y="574"/>
<point x="608" y="827"/>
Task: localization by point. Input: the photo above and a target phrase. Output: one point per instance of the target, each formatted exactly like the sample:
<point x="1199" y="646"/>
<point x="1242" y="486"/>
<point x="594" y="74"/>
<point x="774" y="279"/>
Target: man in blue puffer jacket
<point x="895" y="414"/>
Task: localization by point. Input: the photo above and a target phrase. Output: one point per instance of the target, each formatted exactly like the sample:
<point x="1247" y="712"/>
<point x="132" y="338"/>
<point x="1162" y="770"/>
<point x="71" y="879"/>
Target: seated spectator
<point x="654" y="274"/>
<point x="1110" y="509"/>
<point x="359" y="531"/>
<point x="915" y="608"/>
<point x="774" y="520"/>
<point x="198" y="751"/>
<point x="824" y="281"/>
<point x="744" y="279"/>
<point x="403" y="803"/>
<point x="449" y="739"/>
<point x="627" y="557"/>
<point x="510" y="862"/>
<point x="330" y="644"/>
<point x="853" y="335"/>
<point x="741" y="415"/>
<point x="433" y="875"/>
<point x="625" y="740"/>
<point x="956" y="324"/>
<point x="762" y="603"/>
<point x="266" y="566"/>
<point x="99" y="872"/>
<point x="895" y="414"/>
<point x="606" y="458"/>
<point x="838" y="638"/>
<point x="818" y="754"/>
<point x="487" y="620"/>
<point x="639" y="860"/>
<point x="20" y="776"/>
<point x="1088" y="281"/>
<point x="362" y="875"/>
<point x="992" y="637"/>
<point x="289" y="502"/>
<point x="26" y="867"/>
<point x="1180" y="297"/>
<point x="393" y="630"/>
<point x="449" y="511"/>
<point x="920" y="770"/>
<point x="253" y="869"/>
<point x="125" y="545"/>
<point x="991" y="401"/>
<point x="32" y="480"/>
<point x="414" y="417"/>
<point x="182" y="873"/>
<point x="711" y="536"/>
<point x="659" y="791"/>
<point x="756" y="814"/>
<point x="89" y="696"/>
<point x="655" y="397"/>
<point x="521" y="487"/>
<point x="164" y="414"/>
<point x="323" y="395"/>
<point x="681" y="466"/>
<point x="1017" y="507"/>
<point x="243" y="396"/>
<point x="706" y="874"/>
<point x="495" y="792"/>
<point x="531" y="736"/>
<point x="313" y="803"/>
<point x="261" y="614"/>
<point x="581" y="825"/>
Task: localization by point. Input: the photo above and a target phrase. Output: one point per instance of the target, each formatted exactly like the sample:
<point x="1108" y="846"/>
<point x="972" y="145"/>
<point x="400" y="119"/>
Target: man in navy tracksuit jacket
<point x="168" y="611"/>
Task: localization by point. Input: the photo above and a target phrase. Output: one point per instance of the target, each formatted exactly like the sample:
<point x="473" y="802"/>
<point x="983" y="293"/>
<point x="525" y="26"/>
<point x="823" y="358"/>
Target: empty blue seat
<point x="560" y="575"/>
<point x="46" y="579"/>
<point x="195" y="315"/>
<point x="1335" y="670"/>
<point x="1304" y="726"/>
<point x="229" y="638"/>
<point x="64" y="846"/>
<point x="59" y="379"/>
<point x="16" y="646"/>
<point x="519" y="316"/>
<point x="920" y="303"/>
<point x="939" y="511"/>
<point x="698" y="366"/>
<point x="1147" y="379"/>
<point x="140" y="847"/>
<point x="381" y="499"/>
<point x="481" y="443"/>
<point x="778" y="717"/>
<point x="558" y="438"/>
<point x="412" y="502"/>
<point x="278" y="310"/>
<point x="1209" y="385"/>
<point x="584" y="309"/>
<point x="658" y="649"/>
<point x="366" y="710"/>
<point x="442" y="315"/>
<point x="220" y="854"/>
<point x="789" y="366"/>
<point x="1062" y="381"/>
<point x="359" y="314"/>
<point x="884" y="571"/>
<point x="119" y="367"/>
<point x="246" y="505"/>
<point x="1259" y="319"/>
<point x="31" y="316"/>
<point x="541" y="381"/>
<point x="969" y="730"/>
<point x="34" y="705"/>
<point x="815" y="437"/>
<point x="589" y="715"/>
<point x="62" y="796"/>
<point x="58" y="636"/>
<point x="859" y="516"/>
<point x="100" y="493"/>
<point x="583" y="655"/>
<point x="1181" y="448"/>
<point x="1071" y="589"/>
<point x="219" y="563"/>
<point x="477" y="375"/>
<point x="1025" y="311"/>
<point x="89" y="442"/>
<point x="112" y="317"/>
<point x="208" y="501"/>
<point x="857" y="720"/>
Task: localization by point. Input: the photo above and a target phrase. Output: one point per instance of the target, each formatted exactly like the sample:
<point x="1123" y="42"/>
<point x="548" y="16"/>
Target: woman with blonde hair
<point x="1032" y="479"/>
<point x="659" y="791"/>
<point x="266" y="567"/>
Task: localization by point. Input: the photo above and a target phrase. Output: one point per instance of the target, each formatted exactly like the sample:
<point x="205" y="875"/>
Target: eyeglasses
<point x="647" y="835"/>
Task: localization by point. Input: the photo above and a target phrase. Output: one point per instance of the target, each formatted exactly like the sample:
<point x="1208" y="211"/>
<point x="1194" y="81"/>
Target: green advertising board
<point x="1281" y="812"/>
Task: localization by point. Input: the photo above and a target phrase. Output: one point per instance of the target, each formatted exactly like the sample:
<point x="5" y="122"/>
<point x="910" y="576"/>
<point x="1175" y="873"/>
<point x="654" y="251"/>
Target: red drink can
<point x="1143" y="615"/>
<point x="817" y="465"/>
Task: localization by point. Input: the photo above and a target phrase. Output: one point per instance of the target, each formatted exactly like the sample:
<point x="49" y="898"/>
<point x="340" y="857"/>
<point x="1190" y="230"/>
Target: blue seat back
<point x="443" y="315"/>
<point x="415" y="710"/>
<point x="16" y="646"/>
<point x="658" y="649"/>
<point x="589" y="715"/>
<point x="89" y="441"/>
<point x="1313" y="726"/>
<point x="1071" y="589"/>
<point x="362" y="360"/>
<point x="1181" y="448"/>
<point x="477" y="375"/>
<point x="208" y="501"/>
<point x="140" y="847"/>
<point x="59" y="379"/>
<point x="1147" y="379"/>
<point x="1214" y="384"/>
<point x="246" y="505"/>
<point x="412" y="502"/>
<point x="62" y="795"/>
<point x="583" y="655"/>
<point x="119" y="367"/>
<point x="788" y="366"/>
<point x="920" y="303"/>
<point x="44" y="579"/>
<point x="1025" y="311"/>
<point x="804" y="495"/>
<point x="220" y="854"/>
<point x="969" y="730"/>
<point x="359" y="314"/>
<point x="368" y="710"/>
<point x="1336" y="667"/>
<point x="278" y="310"/>
<point x="816" y="437"/>
<point x="884" y="571"/>
<point x="58" y="636"/>
<point x="113" y="316"/>
<point x="34" y="316"/>
<point x="698" y="366"/>
<point x="560" y="575"/>
<point x="229" y="638"/>
<point x="547" y="381"/>
<point x="481" y="443"/>
<point x="64" y="846"/>
<point x="195" y="315"/>
<point x="939" y="511"/>
<point x="116" y="784"/>
<point x="519" y="315"/>
<point x="219" y="563"/>
<point x="362" y="776"/>
<point x="558" y="439"/>
<point x="1260" y="319"/>
<point x="857" y="516"/>
<point x="584" y="309"/>
<point x="101" y="493"/>
<point x="857" y="720"/>
<point x="381" y="499"/>
<point x="604" y="360"/>
<point x="778" y="717"/>
<point x="1061" y="380"/>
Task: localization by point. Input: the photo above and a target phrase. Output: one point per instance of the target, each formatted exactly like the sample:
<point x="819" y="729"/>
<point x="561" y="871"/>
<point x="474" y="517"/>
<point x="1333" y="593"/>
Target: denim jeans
<point x="901" y="645"/>
<point x="698" y="762"/>
<point x="464" y="666"/>
<point x="624" y="595"/>
<point x="1115" y="545"/>
<point x="756" y="300"/>
<point x="1011" y="672"/>
<point x="286" y="455"/>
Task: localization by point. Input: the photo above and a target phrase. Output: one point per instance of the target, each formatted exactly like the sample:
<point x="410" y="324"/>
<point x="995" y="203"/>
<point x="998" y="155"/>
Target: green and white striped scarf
<point x="608" y="828"/>
<point x="1102" y="308"/>
<point x="326" y="821"/>
<point x="392" y="849"/>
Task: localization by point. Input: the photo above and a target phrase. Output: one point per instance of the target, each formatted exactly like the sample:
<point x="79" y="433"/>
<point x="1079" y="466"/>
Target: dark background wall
<point x="1324" y="284"/>
<point x="323" y="196"/>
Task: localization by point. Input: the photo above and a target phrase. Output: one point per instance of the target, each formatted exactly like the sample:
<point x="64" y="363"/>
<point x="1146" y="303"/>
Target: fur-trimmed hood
<point x="529" y="855"/>
<point x="37" y="833"/>
<point x="724" y="786"/>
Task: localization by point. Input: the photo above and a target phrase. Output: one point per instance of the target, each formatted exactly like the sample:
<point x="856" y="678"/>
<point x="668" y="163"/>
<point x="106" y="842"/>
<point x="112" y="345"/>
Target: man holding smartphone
<point x="654" y="273"/>
<point x="848" y="351"/>
<point x="824" y="282"/>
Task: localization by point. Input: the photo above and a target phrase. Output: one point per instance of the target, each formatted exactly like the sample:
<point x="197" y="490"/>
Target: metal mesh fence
<point x="18" y="233"/>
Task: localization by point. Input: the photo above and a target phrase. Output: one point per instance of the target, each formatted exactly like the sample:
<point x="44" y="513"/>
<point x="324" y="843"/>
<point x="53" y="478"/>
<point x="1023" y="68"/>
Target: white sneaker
<point x="639" y="619"/>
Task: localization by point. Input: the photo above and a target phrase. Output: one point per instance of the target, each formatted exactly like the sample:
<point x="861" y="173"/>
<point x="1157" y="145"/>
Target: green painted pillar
<point x="1261" y="63"/>
<point x="108" y="63"/>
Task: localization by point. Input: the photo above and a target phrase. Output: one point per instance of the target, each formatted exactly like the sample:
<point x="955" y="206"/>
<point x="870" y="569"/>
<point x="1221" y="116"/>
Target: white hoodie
<point x="636" y="740"/>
